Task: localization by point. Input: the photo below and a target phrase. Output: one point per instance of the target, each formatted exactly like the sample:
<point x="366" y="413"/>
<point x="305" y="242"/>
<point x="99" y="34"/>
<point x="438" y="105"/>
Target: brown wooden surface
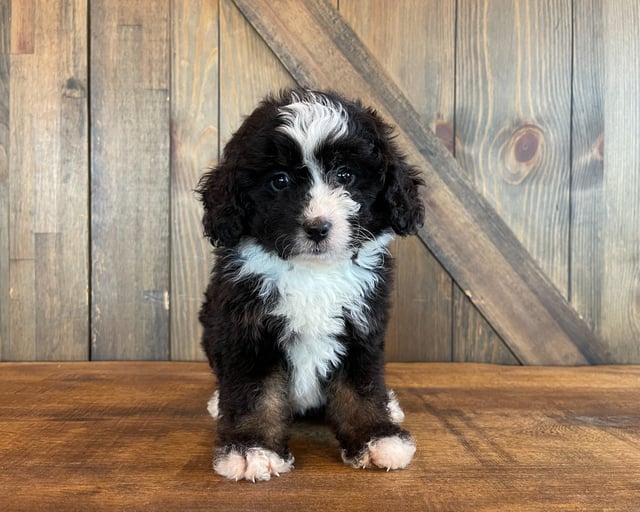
<point x="130" y="162"/>
<point x="462" y="230"/>
<point x="248" y="70"/>
<point x="136" y="436"/>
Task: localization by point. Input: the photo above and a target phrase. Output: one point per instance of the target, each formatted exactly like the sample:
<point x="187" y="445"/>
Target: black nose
<point x="317" y="229"/>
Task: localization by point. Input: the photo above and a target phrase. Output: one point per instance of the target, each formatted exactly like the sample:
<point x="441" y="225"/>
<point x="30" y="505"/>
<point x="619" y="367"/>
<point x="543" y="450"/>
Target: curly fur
<point x="308" y="193"/>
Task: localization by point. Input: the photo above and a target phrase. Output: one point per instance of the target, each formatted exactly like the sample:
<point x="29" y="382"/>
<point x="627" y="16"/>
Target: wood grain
<point x="621" y="236"/>
<point x="420" y="324"/>
<point x="587" y="142"/>
<point x="194" y="148"/>
<point x="466" y="234"/>
<point x="23" y="26"/>
<point x="474" y="340"/>
<point x="47" y="176"/>
<point x="5" y="101"/>
<point x="130" y="179"/>
<point x="512" y="123"/>
<point x="136" y="436"/>
<point x="513" y="97"/>
<point x="248" y="70"/>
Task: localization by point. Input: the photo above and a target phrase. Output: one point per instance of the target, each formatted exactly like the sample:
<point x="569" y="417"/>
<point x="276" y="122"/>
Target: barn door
<point x="472" y="242"/>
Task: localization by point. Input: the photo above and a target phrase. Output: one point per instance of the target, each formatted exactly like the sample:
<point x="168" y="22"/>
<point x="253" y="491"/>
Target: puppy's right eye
<point x="280" y="181"/>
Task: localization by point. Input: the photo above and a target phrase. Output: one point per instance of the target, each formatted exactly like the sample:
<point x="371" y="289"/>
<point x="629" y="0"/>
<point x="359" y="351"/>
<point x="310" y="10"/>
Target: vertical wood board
<point x="194" y="148"/>
<point x="621" y="230"/>
<point x="130" y="179"/>
<point x="513" y="97"/>
<point x="587" y="142"/>
<point x="23" y="27"/>
<point x="5" y="98"/>
<point x="474" y="339"/>
<point x="47" y="177"/>
<point x="248" y="70"/>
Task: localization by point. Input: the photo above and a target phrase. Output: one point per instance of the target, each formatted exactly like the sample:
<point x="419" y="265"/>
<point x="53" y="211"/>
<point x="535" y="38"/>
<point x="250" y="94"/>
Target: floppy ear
<point x="225" y="210"/>
<point x="400" y="197"/>
<point x="402" y="184"/>
<point x="406" y="210"/>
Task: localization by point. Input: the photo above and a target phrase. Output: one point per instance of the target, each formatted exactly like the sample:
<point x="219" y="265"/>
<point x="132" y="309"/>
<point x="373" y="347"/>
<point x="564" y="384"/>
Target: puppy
<point x="308" y="194"/>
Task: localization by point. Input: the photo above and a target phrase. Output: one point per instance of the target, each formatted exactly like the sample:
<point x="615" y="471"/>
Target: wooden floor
<point x="136" y="436"/>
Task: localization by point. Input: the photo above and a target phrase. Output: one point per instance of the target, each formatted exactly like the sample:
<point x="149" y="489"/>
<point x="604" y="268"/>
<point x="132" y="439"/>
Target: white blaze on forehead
<point x="312" y="119"/>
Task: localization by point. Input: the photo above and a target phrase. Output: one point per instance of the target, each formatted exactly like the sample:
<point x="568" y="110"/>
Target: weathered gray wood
<point x="467" y="236"/>
<point x="5" y="98"/>
<point x="130" y="179"/>
<point x="473" y="337"/>
<point x="194" y="148"/>
<point x="513" y="129"/>
<point x="45" y="307"/>
<point x="587" y="142"/>
<point x="513" y="119"/>
<point x="248" y="70"/>
<point x="621" y="185"/>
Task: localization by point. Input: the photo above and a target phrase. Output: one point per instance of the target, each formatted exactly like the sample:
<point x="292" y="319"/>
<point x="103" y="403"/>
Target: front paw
<point x="392" y="452"/>
<point x="254" y="464"/>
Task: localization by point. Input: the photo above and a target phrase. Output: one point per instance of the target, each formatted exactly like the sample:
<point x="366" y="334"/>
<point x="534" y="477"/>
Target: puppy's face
<point x="310" y="175"/>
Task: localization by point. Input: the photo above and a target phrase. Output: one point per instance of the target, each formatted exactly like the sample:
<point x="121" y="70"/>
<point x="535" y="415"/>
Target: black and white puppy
<point x="307" y="195"/>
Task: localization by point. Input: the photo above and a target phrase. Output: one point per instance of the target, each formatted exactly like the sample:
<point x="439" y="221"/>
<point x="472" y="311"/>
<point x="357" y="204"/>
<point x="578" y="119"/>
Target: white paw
<point x="395" y="412"/>
<point x="257" y="464"/>
<point x="393" y="452"/>
<point x="212" y="405"/>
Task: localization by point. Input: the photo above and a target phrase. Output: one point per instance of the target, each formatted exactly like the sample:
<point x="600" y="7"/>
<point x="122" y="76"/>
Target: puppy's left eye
<point x="280" y="181"/>
<point x="344" y="177"/>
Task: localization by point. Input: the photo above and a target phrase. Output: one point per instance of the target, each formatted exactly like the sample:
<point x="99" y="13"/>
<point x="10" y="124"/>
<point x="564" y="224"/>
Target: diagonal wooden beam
<point x="464" y="232"/>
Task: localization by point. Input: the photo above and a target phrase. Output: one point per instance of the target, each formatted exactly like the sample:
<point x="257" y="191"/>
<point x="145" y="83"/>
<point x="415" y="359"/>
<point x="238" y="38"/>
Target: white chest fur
<point x="314" y="297"/>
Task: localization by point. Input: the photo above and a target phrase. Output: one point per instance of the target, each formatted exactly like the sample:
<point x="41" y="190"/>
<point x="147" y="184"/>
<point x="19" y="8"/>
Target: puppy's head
<point x="312" y="175"/>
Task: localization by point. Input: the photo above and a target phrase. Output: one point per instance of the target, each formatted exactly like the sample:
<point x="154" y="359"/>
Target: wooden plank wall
<point x="513" y="117"/>
<point x="130" y="170"/>
<point x="109" y="112"/>
<point x="43" y="184"/>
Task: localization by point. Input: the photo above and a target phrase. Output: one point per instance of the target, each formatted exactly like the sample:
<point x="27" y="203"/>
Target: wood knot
<point x="74" y="89"/>
<point x="523" y="151"/>
<point x="445" y="134"/>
